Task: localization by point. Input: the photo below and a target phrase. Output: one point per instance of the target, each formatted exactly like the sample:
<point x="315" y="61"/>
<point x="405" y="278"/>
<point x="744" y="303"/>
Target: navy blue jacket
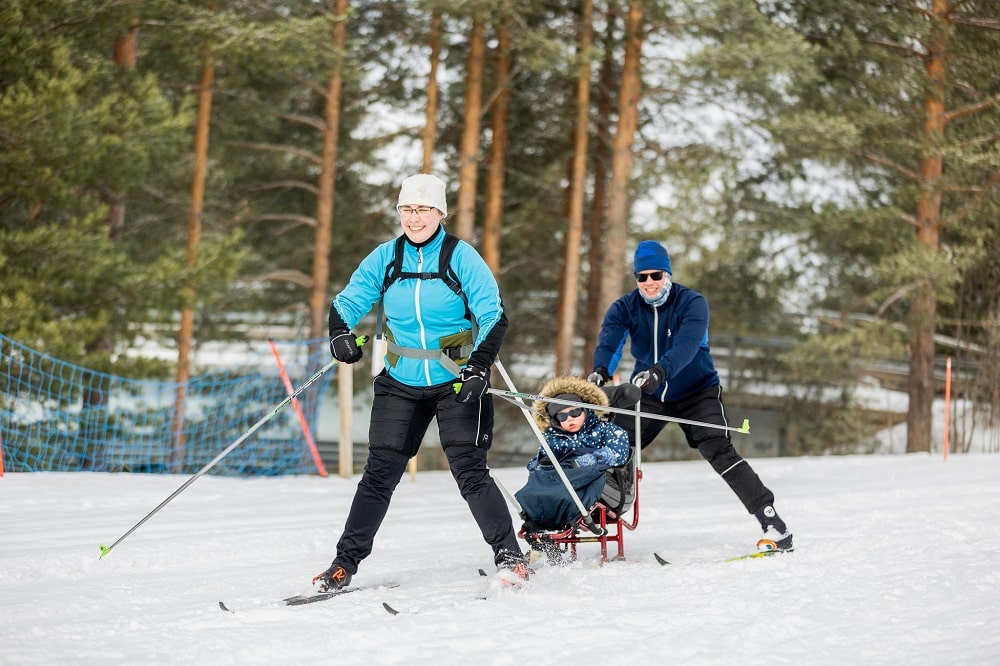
<point x="673" y="335"/>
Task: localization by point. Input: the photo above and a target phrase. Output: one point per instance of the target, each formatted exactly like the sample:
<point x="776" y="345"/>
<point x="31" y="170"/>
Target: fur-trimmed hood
<point x="589" y="393"/>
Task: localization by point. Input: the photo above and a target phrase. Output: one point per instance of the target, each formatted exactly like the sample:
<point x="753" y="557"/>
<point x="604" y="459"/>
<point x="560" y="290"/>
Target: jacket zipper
<point x="420" y="321"/>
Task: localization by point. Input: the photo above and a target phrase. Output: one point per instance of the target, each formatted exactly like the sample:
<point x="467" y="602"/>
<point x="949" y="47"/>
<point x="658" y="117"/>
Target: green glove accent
<point x="346" y="347"/>
<point x="472" y="384"/>
<point x="745" y="428"/>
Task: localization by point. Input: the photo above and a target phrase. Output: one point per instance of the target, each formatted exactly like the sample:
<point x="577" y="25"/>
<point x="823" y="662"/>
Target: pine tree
<point x="918" y="87"/>
<point x="79" y="133"/>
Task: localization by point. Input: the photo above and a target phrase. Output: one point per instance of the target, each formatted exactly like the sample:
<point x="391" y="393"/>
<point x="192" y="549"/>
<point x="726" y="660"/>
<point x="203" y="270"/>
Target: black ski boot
<point x="776" y="535"/>
<point x="334" y="579"/>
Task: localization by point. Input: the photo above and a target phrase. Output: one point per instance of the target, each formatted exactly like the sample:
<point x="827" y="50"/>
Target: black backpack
<point x="394" y="271"/>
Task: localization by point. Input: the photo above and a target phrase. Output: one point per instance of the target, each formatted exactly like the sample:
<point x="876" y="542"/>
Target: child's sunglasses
<point x="565" y="416"/>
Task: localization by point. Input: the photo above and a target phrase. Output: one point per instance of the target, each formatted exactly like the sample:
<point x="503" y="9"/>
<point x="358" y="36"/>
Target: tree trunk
<point x="127" y="45"/>
<point x="616" y="234"/>
<point x="493" y="209"/>
<point x="186" y="333"/>
<point x="125" y="58"/>
<point x="430" y="124"/>
<point x="318" y="302"/>
<point x="919" y="415"/>
<point x="469" y="152"/>
<point x="569" y="293"/>
<point x="595" y="256"/>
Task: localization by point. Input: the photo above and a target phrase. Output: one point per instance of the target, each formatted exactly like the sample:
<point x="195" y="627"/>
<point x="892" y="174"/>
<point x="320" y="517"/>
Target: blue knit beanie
<point x="651" y="256"/>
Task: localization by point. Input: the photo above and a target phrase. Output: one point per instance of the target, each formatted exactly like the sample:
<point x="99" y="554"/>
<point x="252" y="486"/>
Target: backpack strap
<point x="447" y="273"/>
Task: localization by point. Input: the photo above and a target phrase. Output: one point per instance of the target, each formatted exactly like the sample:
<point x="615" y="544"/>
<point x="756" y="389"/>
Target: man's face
<point x="650" y="282"/>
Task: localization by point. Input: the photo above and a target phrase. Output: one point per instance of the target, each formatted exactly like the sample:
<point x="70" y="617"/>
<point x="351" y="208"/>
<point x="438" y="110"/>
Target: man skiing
<point x="667" y="324"/>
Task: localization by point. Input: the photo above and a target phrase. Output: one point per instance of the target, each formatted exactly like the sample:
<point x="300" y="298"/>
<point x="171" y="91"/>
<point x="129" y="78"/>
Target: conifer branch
<point x="280" y="148"/>
<point x="898" y="168"/>
<point x="971" y="204"/>
<point x="293" y="184"/>
<point x="970" y="109"/>
<point x="287" y="275"/>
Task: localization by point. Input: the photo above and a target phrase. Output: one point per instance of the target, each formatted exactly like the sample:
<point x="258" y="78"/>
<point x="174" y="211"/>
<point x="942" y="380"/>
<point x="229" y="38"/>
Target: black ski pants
<point x="715" y="445"/>
<point x="401" y="415"/>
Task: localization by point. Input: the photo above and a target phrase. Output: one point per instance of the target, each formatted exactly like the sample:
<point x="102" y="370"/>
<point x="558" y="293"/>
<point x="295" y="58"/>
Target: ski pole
<point x="515" y="396"/>
<point x="503" y="489"/>
<point x="525" y="408"/>
<point x="242" y="438"/>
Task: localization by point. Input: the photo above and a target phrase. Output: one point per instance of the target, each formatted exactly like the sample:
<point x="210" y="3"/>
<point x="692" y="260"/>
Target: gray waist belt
<point x="444" y="356"/>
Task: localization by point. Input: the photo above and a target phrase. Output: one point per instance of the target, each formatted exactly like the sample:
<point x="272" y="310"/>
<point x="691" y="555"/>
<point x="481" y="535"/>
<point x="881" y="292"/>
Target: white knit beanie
<point x="423" y="189"/>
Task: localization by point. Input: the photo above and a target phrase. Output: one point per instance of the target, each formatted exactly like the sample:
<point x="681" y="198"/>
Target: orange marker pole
<point x="298" y="410"/>
<point x="947" y="403"/>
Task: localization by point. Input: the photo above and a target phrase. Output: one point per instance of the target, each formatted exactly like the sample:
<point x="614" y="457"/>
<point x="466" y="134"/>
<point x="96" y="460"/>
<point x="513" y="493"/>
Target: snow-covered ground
<point x="897" y="562"/>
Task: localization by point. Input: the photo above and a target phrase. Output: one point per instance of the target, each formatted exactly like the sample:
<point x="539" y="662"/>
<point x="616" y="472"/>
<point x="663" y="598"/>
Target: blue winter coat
<point x="673" y="335"/>
<point x="608" y="441"/>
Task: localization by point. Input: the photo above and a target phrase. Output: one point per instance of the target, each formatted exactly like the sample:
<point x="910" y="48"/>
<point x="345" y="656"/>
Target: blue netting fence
<point x="56" y="416"/>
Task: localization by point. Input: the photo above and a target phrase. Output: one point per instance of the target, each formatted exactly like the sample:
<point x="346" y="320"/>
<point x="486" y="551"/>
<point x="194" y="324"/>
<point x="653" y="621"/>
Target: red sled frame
<point x="612" y="524"/>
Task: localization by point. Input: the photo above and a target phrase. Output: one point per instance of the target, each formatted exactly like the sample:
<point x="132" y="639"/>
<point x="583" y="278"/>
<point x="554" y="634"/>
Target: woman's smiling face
<point x="420" y="223"/>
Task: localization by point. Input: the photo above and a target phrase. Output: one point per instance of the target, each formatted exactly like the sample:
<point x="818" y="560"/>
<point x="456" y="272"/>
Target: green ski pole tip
<point x="104" y="551"/>
<point x="745" y="428"/>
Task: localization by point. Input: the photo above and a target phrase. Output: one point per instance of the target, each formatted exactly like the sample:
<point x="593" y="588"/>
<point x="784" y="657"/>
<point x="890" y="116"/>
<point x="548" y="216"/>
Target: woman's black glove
<point x="472" y="384"/>
<point x="346" y="347"/>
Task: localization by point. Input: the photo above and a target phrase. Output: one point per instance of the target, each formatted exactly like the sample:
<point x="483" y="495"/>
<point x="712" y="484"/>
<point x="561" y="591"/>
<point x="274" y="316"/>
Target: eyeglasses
<point x="655" y="276"/>
<point x="406" y="211"/>
<point x="571" y="414"/>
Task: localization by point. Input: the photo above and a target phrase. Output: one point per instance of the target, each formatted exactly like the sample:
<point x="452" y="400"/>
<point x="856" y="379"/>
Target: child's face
<point x="571" y="419"/>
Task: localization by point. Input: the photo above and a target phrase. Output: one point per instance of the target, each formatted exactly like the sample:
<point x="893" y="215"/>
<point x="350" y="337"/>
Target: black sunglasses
<point x="571" y="414"/>
<point x="655" y="275"/>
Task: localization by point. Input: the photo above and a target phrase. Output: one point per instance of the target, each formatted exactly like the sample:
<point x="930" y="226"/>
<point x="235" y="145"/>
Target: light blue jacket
<point x="420" y="312"/>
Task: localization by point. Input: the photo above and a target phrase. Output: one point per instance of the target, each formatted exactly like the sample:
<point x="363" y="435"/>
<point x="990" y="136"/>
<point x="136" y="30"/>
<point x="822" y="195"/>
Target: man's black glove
<point x="471" y="384"/>
<point x="346" y="347"/>
<point x="650" y="378"/>
<point x="599" y="376"/>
